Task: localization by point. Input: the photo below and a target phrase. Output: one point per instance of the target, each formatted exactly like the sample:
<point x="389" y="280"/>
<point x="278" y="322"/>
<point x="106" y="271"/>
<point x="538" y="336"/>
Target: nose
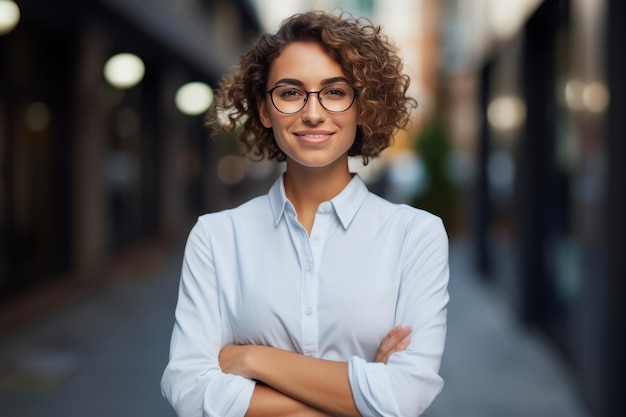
<point x="313" y="112"/>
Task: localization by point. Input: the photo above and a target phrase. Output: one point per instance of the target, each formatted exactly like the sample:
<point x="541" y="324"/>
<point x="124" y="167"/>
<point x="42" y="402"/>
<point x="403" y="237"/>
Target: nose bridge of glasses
<point x="315" y="93"/>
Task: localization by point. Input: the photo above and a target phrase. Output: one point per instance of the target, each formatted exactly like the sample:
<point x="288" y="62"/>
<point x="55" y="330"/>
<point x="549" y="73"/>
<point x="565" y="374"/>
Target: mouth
<point x="314" y="138"/>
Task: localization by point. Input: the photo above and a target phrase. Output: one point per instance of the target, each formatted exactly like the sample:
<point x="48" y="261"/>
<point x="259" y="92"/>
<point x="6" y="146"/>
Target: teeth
<point x="315" y="136"/>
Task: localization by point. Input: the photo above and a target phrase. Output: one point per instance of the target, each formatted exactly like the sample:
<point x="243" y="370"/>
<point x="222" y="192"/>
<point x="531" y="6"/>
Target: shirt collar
<point x="278" y="199"/>
<point x="346" y="203"/>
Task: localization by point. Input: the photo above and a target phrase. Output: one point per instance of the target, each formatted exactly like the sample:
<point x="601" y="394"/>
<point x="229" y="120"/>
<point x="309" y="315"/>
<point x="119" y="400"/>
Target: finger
<point x="395" y="341"/>
<point x="399" y="347"/>
<point x="394" y="336"/>
<point x="387" y="344"/>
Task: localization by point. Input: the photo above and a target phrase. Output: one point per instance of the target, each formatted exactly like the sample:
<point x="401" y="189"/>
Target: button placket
<point x="312" y="250"/>
<point x="309" y="300"/>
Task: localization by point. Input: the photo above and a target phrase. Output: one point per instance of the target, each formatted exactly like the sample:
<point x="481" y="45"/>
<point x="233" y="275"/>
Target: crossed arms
<point x="292" y="384"/>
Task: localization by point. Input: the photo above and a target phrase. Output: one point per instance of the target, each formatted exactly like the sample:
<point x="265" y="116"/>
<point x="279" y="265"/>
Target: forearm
<point x="267" y="402"/>
<point x="320" y="383"/>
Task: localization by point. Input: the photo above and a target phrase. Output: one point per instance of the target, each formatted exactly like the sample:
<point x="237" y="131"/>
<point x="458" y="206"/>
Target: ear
<point x="264" y="115"/>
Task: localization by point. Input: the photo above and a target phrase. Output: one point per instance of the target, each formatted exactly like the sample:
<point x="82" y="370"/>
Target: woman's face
<point x="313" y="137"/>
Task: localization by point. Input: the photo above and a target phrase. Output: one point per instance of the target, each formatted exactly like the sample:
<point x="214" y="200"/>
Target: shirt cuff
<point x="217" y="402"/>
<point x="371" y="388"/>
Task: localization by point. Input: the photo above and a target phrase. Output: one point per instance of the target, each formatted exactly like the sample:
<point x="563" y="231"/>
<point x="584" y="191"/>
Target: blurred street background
<point x="518" y="144"/>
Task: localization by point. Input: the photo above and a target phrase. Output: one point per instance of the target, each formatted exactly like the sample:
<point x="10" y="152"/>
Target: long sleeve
<point x="193" y="381"/>
<point x="409" y="382"/>
<point x="251" y="276"/>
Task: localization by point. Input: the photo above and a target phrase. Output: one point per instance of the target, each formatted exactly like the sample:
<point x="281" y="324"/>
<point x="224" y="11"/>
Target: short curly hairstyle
<point x="368" y="59"/>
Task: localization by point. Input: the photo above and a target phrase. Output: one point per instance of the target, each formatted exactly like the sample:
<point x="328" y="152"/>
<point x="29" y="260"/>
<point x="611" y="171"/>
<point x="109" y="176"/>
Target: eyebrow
<point x="326" y="81"/>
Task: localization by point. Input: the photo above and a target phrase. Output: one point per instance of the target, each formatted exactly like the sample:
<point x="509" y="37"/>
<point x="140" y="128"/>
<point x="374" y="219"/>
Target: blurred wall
<point x="89" y="170"/>
<point x="547" y="192"/>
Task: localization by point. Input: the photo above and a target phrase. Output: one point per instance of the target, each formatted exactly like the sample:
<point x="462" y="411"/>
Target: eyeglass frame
<point x="306" y="99"/>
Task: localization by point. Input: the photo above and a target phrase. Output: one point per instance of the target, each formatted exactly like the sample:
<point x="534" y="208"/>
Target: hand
<point x="396" y="341"/>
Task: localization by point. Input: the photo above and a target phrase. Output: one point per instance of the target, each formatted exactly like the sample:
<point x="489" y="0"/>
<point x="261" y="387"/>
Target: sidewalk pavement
<point x="104" y="357"/>
<point x="493" y="366"/>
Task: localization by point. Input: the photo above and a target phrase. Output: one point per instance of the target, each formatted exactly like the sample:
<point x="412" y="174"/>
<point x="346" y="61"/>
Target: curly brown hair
<point x="369" y="61"/>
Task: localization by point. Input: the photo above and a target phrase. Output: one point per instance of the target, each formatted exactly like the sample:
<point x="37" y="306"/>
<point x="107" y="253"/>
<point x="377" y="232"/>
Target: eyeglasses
<point x="335" y="98"/>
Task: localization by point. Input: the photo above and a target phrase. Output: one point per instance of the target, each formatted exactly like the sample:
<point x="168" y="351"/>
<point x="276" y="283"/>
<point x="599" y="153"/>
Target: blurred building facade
<point x="539" y="109"/>
<point x="532" y="91"/>
<point x="88" y="169"/>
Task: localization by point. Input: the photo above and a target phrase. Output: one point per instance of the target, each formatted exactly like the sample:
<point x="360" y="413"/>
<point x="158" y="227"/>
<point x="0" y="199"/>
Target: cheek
<point x="280" y="141"/>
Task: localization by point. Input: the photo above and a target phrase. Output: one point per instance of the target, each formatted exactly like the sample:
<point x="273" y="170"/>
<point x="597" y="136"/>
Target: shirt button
<point x="317" y="237"/>
<point x="308" y="311"/>
<point x="308" y="267"/>
<point x="326" y="207"/>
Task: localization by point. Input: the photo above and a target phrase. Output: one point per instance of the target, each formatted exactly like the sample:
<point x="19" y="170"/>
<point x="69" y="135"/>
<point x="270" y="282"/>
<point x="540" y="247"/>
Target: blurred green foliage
<point x="440" y="192"/>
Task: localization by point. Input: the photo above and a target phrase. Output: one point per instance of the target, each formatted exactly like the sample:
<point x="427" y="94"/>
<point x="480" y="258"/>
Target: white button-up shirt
<point x="252" y="275"/>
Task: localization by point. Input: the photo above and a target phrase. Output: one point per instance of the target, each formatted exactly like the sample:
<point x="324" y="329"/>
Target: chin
<point x="315" y="163"/>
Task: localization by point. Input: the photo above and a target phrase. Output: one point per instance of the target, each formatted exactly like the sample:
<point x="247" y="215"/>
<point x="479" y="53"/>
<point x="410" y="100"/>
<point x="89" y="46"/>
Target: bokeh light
<point x="590" y="96"/>
<point x="194" y="98"/>
<point x="506" y="113"/>
<point x="124" y="70"/>
<point x="9" y="16"/>
<point x="231" y="169"/>
<point x="574" y="95"/>
<point x="37" y="116"/>
<point x="596" y="97"/>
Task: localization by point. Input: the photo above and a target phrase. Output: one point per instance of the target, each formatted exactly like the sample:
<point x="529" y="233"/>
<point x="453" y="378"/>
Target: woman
<point x="318" y="298"/>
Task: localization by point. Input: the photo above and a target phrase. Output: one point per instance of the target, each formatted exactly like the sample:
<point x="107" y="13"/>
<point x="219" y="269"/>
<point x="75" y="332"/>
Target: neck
<point x="307" y="188"/>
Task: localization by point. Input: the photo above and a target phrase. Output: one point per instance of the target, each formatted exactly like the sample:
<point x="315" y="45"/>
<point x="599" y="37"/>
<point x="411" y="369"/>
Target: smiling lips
<point x="316" y="138"/>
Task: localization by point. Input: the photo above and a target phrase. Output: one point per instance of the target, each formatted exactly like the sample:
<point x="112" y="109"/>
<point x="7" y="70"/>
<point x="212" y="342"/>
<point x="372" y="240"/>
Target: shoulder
<point x="415" y="228"/>
<point x="409" y="216"/>
<point x="254" y="211"/>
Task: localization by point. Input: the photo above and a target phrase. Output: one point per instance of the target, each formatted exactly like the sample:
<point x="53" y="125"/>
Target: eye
<point x="335" y="92"/>
<point x="290" y="93"/>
